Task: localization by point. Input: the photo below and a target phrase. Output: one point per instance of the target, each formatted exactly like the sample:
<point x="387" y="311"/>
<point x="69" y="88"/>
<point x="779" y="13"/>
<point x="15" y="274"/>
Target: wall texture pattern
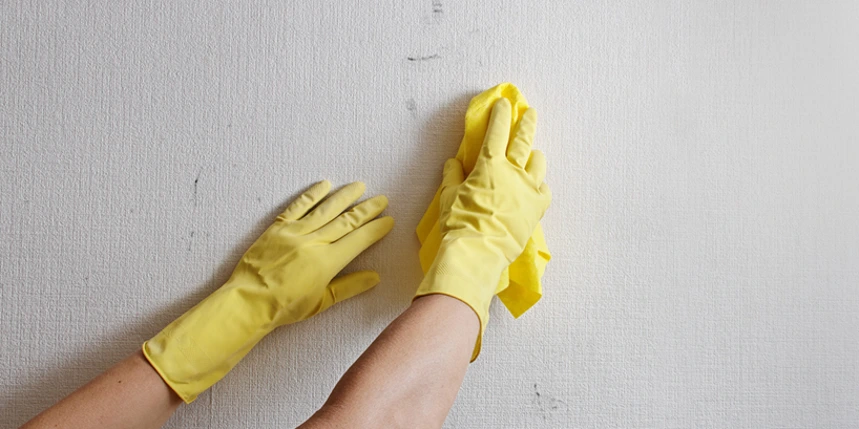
<point x="704" y="158"/>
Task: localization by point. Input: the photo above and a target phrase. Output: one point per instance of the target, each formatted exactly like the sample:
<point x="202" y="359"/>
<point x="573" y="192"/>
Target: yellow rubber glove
<point x="520" y="286"/>
<point x="286" y="276"/>
<point x="487" y="218"/>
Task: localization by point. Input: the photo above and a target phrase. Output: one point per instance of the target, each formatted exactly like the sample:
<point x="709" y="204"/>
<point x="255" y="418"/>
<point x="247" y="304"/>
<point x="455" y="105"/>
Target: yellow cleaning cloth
<point x="519" y="288"/>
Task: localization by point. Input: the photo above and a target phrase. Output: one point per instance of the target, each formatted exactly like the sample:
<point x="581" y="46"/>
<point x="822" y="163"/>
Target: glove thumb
<point x="453" y="174"/>
<point x="349" y="285"/>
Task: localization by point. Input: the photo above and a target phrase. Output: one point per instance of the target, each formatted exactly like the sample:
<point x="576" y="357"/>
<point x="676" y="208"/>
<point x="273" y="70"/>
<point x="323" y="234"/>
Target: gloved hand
<point x="486" y="219"/>
<point x="286" y="276"/>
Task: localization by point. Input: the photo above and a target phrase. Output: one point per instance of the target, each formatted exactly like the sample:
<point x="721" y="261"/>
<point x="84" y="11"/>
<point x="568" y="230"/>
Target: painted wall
<point x="703" y="158"/>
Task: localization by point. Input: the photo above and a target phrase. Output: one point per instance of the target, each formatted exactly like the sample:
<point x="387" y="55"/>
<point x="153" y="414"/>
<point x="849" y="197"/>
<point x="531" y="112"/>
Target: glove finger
<point x="547" y="193"/>
<point x="349" y="285"/>
<point x="354" y="218"/>
<point x="520" y="147"/>
<point x="536" y="166"/>
<point x="332" y="207"/>
<point x="306" y="201"/>
<point x="453" y="174"/>
<point x="498" y="131"/>
<point x="357" y="241"/>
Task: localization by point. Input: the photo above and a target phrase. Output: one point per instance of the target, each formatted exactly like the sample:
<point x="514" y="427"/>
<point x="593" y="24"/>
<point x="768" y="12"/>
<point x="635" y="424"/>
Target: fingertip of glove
<point x="380" y="200"/>
<point x="364" y="279"/>
<point x="324" y="183"/>
<point x="503" y="101"/>
<point x="385" y="224"/>
<point x="547" y="194"/>
<point x="372" y="279"/>
<point x="544" y="189"/>
<point x="368" y="280"/>
<point x="452" y="174"/>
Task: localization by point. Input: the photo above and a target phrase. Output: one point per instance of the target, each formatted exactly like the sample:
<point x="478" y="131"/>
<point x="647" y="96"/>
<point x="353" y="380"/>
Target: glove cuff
<point x="467" y="277"/>
<point x="199" y="348"/>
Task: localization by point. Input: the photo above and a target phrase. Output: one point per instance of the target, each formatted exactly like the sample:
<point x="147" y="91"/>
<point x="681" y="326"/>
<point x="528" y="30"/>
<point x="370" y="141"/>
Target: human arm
<point x="286" y="276"/>
<point x="410" y="375"/>
<point x="128" y="395"/>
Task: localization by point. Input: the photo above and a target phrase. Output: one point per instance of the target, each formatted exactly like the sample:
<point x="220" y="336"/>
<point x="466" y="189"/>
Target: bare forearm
<point x="128" y="395"/>
<point x="410" y="375"/>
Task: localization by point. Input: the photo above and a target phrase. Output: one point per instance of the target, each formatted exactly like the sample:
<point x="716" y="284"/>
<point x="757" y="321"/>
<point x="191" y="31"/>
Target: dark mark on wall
<point x="196" y="180"/>
<point x="194" y="201"/>
<point x="546" y="404"/>
<point x="191" y="240"/>
<point x="411" y="106"/>
<point x="426" y="58"/>
<point x="437" y="7"/>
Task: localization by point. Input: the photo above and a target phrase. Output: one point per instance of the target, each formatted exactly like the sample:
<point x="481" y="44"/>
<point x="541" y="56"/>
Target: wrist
<point x="452" y="308"/>
<point x="468" y="270"/>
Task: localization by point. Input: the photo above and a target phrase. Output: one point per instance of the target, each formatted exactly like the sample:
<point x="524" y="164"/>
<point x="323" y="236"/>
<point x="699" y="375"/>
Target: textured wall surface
<point x="704" y="158"/>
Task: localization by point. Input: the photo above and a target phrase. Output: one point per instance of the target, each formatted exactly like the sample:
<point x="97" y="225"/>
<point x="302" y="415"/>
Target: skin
<point x="128" y="395"/>
<point x="410" y="375"/>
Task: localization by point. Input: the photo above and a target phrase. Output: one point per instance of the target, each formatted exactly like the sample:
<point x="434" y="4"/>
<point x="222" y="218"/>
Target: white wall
<point x="704" y="160"/>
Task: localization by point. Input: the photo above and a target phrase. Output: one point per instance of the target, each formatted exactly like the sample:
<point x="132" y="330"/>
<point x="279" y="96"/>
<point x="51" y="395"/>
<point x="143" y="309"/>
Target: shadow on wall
<point x="419" y="178"/>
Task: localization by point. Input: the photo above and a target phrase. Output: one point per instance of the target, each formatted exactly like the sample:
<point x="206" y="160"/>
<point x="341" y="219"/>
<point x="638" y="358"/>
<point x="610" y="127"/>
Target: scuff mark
<point x="412" y="106"/>
<point x="437" y="7"/>
<point x="196" y="181"/>
<point x="191" y="240"/>
<point x="546" y="404"/>
<point x="425" y="58"/>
